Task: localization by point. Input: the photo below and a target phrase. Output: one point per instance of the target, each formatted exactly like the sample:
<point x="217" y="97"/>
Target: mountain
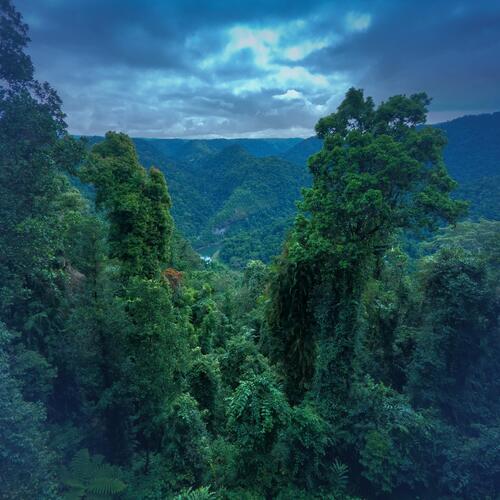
<point x="184" y="148"/>
<point x="226" y="199"/>
<point x="301" y="151"/>
<point x="473" y="149"/>
<point x="236" y="197"/>
<point x="473" y="159"/>
<point x="472" y="156"/>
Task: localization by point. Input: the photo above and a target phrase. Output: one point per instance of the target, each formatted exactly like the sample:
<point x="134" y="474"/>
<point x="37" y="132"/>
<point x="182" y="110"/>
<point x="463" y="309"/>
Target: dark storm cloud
<point x="449" y="49"/>
<point x="149" y="34"/>
<point x="256" y="68"/>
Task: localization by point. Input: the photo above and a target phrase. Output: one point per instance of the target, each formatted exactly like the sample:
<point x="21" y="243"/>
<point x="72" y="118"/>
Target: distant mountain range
<point x="230" y="195"/>
<point x="236" y="197"/>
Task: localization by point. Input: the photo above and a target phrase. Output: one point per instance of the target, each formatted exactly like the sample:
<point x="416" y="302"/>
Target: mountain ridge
<point x="230" y="194"/>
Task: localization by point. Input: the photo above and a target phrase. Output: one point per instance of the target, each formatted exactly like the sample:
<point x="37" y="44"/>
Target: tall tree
<point x="34" y="150"/>
<point x="151" y="343"/>
<point x="137" y="205"/>
<point x="379" y="172"/>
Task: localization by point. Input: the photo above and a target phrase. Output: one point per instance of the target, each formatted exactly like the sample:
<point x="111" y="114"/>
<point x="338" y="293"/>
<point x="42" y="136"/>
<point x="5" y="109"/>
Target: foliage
<point x="90" y="477"/>
<point x="392" y="438"/>
<point x="376" y="175"/>
<point x="349" y="368"/>
<point x="26" y="460"/>
<point x="184" y="444"/>
<point x="256" y="409"/>
<point x="202" y="493"/>
<point x="305" y="450"/>
<point x="471" y="155"/>
<point x="137" y="205"/>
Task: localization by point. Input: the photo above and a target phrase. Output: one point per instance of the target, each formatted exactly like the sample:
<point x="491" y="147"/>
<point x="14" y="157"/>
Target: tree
<point x="456" y="333"/>
<point x="379" y="172"/>
<point x="136" y="203"/>
<point x="26" y="462"/>
<point x="16" y="65"/>
<point x="257" y="411"/>
<point x="150" y="346"/>
<point x="453" y="353"/>
<point x="34" y="152"/>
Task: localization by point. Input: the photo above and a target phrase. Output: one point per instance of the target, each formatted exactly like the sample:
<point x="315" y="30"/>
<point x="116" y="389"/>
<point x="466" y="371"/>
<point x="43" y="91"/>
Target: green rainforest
<point x="339" y="340"/>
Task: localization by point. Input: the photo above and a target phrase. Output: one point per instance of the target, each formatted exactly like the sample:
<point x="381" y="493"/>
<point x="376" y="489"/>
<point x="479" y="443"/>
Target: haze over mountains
<point x="237" y="196"/>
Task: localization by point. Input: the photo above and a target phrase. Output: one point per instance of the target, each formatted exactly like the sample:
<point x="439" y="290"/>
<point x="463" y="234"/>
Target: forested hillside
<point x="473" y="156"/>
<point x="237" y="197"/>
<point x="473" y="149"/>
<point x="345" y="370"/>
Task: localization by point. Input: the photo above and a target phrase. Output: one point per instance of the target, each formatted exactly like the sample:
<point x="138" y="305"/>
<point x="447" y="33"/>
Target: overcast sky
<point x="257" y="68"/>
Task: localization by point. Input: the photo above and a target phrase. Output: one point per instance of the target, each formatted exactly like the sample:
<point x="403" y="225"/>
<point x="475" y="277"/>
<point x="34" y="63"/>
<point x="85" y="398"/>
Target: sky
<point x="258" y="68"/>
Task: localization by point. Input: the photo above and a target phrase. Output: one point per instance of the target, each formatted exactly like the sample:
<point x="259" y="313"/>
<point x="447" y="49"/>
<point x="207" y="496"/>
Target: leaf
<point x="106" y="486"/>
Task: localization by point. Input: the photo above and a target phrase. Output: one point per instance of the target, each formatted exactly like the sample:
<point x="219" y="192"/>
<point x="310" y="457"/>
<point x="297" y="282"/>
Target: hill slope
<point x="473" y="149"/>
<point x="226" y="199"/>
<point x="472" y="156"/>
<point x="237" y="196"/>
<point x="473" y="159"/>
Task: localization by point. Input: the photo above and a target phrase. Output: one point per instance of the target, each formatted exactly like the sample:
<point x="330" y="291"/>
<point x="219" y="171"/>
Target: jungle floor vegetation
<point x="364" y="362"/>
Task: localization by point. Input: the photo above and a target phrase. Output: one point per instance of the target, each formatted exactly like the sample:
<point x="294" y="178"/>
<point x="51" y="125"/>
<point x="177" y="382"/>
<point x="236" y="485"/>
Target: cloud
<point x="260" y="41"/>
<point x="301" y="50"/>
<point x="445" y="48"/>
<point x="190" y="68"/>
<point x="357" y="21"/>
<point x="289" y="95"/>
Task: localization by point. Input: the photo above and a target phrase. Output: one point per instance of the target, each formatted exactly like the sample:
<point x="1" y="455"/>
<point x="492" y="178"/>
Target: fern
<point x="202" y="493"/>
<point x="340" y="475"/>
<point x="90" y="478"/>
